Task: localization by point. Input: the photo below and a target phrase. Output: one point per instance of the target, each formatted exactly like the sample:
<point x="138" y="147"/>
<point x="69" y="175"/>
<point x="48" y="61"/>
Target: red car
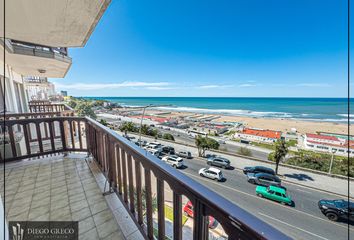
<point x="188" y="210"/>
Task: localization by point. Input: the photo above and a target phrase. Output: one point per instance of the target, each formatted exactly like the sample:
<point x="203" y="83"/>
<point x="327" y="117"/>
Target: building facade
<point x="258" y="135"/>
<point x="39" y="88"/>
<point x="328" y="144"/>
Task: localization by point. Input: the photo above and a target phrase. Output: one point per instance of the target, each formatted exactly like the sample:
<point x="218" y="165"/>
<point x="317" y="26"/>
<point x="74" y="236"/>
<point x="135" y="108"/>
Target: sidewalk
<point x="304" y="178"/>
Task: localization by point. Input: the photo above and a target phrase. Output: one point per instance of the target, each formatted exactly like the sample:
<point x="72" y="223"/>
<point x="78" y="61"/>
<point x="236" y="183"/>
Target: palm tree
<point x="281" y="149"/>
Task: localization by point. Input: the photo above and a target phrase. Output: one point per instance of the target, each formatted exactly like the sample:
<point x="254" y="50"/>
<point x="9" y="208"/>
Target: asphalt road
<point x="184" y="138"/>
<point x="304" y="221"/>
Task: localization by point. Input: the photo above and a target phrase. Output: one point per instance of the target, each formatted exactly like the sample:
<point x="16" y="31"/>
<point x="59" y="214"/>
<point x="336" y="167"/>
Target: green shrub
<point x="245" y="151"/>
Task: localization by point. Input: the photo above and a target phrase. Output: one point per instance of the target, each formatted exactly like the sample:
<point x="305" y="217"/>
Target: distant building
<point x="64" y="93"/>
<point x="39" y="88"/>
<point x="328" y="144"/>
<point x="258" y="135"/>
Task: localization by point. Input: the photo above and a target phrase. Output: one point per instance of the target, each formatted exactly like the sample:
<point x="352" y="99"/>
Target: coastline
<point x="284" y="125"/>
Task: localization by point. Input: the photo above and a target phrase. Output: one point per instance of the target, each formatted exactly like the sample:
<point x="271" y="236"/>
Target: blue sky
<point x="273" y="48"/>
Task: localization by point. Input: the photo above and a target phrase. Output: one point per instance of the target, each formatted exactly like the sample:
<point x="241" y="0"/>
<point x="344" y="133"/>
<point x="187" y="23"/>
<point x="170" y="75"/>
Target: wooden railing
<point x="129" y="170"/>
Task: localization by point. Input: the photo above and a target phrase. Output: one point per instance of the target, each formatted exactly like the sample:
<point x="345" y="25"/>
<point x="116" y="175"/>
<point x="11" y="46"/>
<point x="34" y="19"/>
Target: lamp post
<point x="330" y="166"/>
<point x="142" y="117"/>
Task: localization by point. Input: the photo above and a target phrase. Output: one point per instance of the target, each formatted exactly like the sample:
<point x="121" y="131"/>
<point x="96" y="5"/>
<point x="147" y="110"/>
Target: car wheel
<point x="209" y="163"/>
<point x="251" y="181"/>
<point x="283" y="203"/>
<point x="201" y="174"/>
<point x="185" y="214"/>
<point x="224" y="167"/>
<point x="259" y="195"/>
<point x="175" y="166"/>
<point x="332" y="216"/>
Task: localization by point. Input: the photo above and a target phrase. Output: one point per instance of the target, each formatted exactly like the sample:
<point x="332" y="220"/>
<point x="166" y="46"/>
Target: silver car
<point x="263" y="179"/>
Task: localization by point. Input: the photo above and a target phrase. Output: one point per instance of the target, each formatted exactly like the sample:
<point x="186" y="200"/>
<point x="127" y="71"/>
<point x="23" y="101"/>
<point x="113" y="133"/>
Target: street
<point x="303" y="221"/>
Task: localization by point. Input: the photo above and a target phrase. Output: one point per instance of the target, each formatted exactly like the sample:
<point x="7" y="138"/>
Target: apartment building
<point x="39" y="88"/>
<point x="328" y="144"/>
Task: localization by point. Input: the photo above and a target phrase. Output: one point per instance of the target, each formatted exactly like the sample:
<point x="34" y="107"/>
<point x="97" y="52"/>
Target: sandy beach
<point x="283" y="125"/>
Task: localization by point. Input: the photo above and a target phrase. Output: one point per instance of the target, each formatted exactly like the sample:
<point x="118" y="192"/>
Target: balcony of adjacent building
<point x="31" y="59"/>
<point x="73" y="168"/>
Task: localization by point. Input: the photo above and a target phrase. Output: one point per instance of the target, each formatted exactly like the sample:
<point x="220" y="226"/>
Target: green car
<point x="274" y="193"/>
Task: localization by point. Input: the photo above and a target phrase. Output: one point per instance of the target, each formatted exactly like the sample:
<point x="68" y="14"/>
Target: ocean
<point x="309" y="109"/>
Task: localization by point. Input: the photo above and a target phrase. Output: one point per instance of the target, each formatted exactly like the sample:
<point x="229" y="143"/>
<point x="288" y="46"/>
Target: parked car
<point x="173" y="160"/>
<point x="188" y="210"/>
<point x="184" y="154"/>
<point x="263" y="179"/>
<point x="221" y="141"/>
<point x="143" y="143"/>
<point x="153" y="145"/>
<point x="168" y="150"/>
<point x="212" y="173"/>
<point x="155" y="152"/>
<point x="209" y="155"/>
<point x="274" y="193"/>
<point x="337" y="209"/>
<point x="258" y="169"/>
<point x="219" y="162"/>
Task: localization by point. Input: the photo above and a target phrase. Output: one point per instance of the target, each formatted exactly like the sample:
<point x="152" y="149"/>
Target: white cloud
<point x="99" y="86"/>
<point x="247" y="85"/>
<point x="214" y="86"/>
<point x="313" y="85"/>
<point x="160" y="88"/>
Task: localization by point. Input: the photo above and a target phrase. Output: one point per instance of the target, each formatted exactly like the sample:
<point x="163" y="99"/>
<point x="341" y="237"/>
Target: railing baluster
<point x="119" y="172"/>
<point x="131" y="184"/>
<point x="177" y="216"/>
<point x="12" y="141"/>
<point x="148" y="197"/>
<point x="161" y="208"/>
<point x="51" y="131"/>
<point x="72" y="134"/>
<point x="124" y="173"/>
<point x="79" y="132"/>
<point x="138" y="191"/>
<point x="62" y="134"/>
<point x="27" y="139"/>
<point x="200" y="222"/>
<point x="39" y="137"/>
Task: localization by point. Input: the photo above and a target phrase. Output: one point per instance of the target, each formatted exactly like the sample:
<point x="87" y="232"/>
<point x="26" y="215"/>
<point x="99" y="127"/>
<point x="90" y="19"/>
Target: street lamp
<point x="142" y="117"/>
<point x="330" y="166"/>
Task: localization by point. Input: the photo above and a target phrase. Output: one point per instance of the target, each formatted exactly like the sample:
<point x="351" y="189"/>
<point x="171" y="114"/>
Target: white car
<point x="173" y="160"/>
<point x="153" y="145"/>
<point x="154" y="152"/>
<point x="212" y="173"/>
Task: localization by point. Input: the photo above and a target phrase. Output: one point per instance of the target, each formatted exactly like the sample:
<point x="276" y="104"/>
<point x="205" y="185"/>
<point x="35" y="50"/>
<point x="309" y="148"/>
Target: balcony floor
<point x="68" y="188"/>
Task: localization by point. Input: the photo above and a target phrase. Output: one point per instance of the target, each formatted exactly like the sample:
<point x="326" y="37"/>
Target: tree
<point x="168" y="136"/>
<point x="104" y="122"/>
<point x="143" y="200"/>
<point x="128" y="127"/>
<point x="205" y="143"/>
<point x="145" y="129"/>
<point x="281" y="149"/>
<point x="72" y="103"/>
<point x="84" y="109"/>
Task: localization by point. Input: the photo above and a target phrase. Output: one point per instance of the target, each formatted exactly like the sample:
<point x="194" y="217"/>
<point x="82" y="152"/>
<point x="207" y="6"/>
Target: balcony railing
<point x="129" y="170"/>
<point x="47" y="107"/>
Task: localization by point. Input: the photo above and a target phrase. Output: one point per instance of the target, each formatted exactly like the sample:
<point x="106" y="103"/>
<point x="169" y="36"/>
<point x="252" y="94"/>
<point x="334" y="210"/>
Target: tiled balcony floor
<point x="64" y="189"/>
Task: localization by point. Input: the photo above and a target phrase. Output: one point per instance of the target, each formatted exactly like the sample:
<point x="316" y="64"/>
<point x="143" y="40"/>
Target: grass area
<point x="264" y="145"/>
<point x="169" y="215"/>
<point x="292" y="143"/>
<point x="230" y="132"/>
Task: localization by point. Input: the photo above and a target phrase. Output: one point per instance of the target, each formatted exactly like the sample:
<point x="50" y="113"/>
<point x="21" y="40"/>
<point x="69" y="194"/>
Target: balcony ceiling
<point x="56" y="23"/>
<point x="29" y="65"/>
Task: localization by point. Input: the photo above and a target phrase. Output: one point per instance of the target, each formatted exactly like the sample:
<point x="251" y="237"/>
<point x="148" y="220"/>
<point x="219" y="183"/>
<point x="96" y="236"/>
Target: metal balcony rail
<point x="129" y="169"/>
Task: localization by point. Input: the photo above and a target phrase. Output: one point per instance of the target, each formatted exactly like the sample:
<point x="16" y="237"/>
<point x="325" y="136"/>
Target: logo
<point x="17" y="232"/>
<point x="33" y="230"/>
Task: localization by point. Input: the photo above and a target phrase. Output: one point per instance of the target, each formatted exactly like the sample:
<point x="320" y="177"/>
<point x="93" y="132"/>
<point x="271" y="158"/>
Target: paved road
<point x="232" y="148"/>
<point x="304" y="221"/>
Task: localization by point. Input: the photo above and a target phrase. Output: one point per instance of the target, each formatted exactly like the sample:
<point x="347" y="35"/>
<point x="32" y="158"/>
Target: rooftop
<point x="262" y="133"/>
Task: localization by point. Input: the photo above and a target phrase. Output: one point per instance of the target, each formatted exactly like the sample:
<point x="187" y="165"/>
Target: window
<point x="278" y="194"/>
<point x="271" y="191"/>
